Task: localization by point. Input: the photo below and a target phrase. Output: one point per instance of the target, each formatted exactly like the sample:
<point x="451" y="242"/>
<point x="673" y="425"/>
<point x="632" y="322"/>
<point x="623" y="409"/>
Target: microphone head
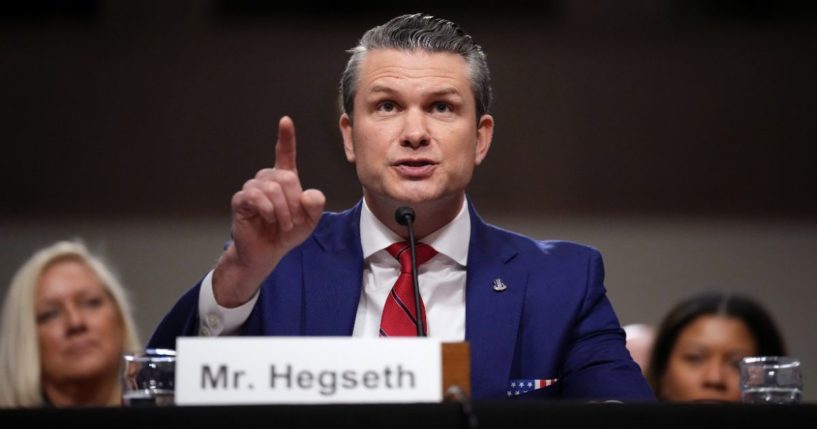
<point x="404" y="215"/>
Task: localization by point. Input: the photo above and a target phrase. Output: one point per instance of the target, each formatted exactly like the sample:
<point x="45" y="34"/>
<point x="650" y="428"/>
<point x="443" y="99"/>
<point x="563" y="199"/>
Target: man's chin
<point x="423" y="195"/>
<point x="412" y="197"/>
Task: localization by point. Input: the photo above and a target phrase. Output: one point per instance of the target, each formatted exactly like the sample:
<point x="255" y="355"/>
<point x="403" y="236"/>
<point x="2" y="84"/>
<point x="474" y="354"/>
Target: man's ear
<point x="346" y="132"/>
<point x="485" y="135"/>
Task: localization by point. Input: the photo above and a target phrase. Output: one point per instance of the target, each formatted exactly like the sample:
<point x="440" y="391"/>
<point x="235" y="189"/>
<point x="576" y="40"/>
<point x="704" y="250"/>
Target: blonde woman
<point x="66" y="322"/>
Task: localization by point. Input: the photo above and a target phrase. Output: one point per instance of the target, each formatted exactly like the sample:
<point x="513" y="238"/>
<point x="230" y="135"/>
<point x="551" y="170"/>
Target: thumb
<point x="313" y="201"/>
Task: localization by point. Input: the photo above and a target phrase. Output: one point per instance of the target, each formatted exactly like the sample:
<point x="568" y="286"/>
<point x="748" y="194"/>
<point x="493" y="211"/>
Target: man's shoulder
<point x="542" y="247"/>
<point x="488" y="234"/>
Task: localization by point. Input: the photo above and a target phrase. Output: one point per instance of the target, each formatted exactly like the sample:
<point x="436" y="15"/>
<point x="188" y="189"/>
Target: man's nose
<point x="415" y="129"/>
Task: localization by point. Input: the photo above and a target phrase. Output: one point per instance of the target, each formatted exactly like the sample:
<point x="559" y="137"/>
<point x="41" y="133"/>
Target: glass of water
<point x="148" y="378"/>
<point x="770" y="380"/>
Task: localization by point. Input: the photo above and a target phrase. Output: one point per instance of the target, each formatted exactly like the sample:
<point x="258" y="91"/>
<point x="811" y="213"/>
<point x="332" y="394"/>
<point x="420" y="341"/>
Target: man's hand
<point x="272" y="214"/>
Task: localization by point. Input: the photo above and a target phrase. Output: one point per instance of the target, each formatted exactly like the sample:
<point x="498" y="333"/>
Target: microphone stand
<point x="405" y="216"/>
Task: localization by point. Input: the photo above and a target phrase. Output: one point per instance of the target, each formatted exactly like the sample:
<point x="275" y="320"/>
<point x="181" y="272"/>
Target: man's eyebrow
<point x="444" y="92"/>
<point x="381" y="88"/>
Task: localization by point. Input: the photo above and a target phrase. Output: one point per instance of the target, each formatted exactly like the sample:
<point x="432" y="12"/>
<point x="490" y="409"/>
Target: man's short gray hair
<point x="419" y="32"/>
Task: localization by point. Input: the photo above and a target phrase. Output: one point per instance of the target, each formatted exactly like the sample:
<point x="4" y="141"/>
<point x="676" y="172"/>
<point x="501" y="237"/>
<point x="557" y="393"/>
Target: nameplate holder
<point x="307" y="370"/>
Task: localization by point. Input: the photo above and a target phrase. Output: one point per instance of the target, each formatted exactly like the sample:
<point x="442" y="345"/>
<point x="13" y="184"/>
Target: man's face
<point x="415" y="138"/>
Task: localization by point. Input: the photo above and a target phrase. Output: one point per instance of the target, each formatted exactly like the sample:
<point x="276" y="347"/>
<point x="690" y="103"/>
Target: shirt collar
<point x="451" y="240"/>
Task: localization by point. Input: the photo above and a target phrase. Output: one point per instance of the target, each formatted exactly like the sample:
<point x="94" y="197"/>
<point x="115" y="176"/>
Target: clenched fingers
<point x="286" y="182"/>
<point x="274" y="201"/>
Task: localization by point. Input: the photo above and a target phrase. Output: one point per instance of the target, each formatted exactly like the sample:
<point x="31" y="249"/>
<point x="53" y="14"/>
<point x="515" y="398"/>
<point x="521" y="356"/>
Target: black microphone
<point x="405" y="216"/>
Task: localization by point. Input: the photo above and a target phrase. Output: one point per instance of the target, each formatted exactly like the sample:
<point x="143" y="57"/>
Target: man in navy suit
<point x="415" y="123"/>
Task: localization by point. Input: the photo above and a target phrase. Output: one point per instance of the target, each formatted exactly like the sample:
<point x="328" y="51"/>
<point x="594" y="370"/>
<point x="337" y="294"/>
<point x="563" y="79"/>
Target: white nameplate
<point x="307" y="370"/>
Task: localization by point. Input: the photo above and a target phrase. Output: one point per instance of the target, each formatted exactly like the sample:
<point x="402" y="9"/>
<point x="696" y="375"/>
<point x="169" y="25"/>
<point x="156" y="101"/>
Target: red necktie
<point x="399" y="316"/>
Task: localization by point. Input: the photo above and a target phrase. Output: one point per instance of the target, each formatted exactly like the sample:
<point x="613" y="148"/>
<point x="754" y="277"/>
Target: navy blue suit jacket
<point x="553" y="321"/>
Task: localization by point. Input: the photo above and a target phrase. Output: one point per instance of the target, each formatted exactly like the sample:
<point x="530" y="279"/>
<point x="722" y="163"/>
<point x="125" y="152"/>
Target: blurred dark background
<point x="121" y="108"/>
<point x="677" y="136"/>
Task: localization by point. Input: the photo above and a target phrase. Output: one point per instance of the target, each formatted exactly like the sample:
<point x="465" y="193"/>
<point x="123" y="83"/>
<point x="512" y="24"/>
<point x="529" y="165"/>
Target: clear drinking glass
<point x="148" y="378"/>
<point x="770" y="380"/>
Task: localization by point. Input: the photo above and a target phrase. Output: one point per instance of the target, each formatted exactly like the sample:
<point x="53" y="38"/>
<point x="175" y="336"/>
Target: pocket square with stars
<point x="521" y="387"/>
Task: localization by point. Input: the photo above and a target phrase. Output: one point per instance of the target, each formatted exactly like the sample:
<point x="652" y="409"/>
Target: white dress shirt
<point x="442" y="282"/>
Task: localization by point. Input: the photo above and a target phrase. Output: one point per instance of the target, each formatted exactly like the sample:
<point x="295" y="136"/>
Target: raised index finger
<point x="285" y="147"/>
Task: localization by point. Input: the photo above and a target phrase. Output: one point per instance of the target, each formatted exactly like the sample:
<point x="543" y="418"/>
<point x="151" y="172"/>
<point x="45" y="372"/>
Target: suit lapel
<point x="492" y="317"/>
<point x="333" y="275"/>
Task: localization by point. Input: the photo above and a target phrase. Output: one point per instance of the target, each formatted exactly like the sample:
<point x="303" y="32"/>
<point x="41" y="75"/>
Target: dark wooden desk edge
<point x="490" y="414"/>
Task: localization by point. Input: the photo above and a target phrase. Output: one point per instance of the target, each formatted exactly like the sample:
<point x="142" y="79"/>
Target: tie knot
<point x="402" y="253"/>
